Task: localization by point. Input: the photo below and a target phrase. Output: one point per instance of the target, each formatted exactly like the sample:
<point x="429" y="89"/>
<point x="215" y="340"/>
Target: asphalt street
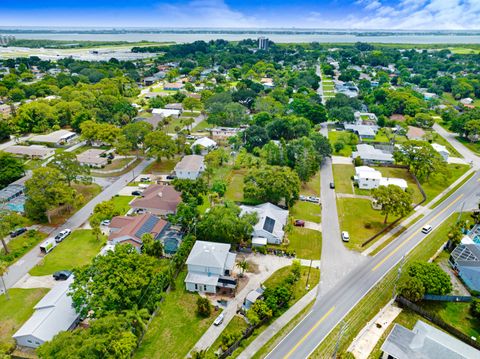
<point x="329" y="310"/>
<point x="29" y="260"/>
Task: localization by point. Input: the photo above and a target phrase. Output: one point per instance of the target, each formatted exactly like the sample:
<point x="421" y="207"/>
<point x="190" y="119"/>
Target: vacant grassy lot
<point x="342" y="177"/>
<point x="122" y="203"/>
<point x="20" y="245"/>
<point x="346" y="138"/>
<point x="235" y="185"/>
<point x="76" y="250"/>
<point x="16" y="310"/>
<point x="307" y="211"/>
<point x="437" y="182"/>
<point x="177" y="327"/>
<point x="312" y="187"/>
<point x="360" y="220"/>
<point x="307" y="243"/>
<point x="164" y="167"/>
<point x="407" y="176"/>
<point x="472" y="146"/>
<point x="202" y="126"/>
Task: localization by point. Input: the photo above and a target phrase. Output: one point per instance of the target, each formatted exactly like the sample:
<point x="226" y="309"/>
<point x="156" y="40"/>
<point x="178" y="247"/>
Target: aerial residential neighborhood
<point x="239" y="192"/>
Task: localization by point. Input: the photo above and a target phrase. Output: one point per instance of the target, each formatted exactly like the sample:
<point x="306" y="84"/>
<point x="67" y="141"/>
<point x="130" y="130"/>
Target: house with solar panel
<point x="127" y="229"/>
<point x="271" y="222"/>
<point x="210" y="267"/>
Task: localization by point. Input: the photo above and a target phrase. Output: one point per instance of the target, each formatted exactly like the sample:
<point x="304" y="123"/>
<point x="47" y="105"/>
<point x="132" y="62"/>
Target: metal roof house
<point x="53" y="314"/>
<point x="34" y="151"/>
<point x="190" y="167"/>
<point x="210" y="266"/>
<point x="56" y="138"/>
<point x="371" y="155"/>
<point x="465" y="259"/>
<point x="425" y="342"/>
<point x="271" y="220"/>
<point x="362" y="131"/>
<point x="442" y="150"/>
<point x="206" y="144"/>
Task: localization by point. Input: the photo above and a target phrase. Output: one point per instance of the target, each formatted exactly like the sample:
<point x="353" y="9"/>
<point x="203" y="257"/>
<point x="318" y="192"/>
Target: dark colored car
<point x="299" y="223"/>
<point x="136" y="193"/>
<point x="332" y="185"/>
<point x="170" y="177"/>
<point x="17" y="232"/>
<point x="62" y="275"/>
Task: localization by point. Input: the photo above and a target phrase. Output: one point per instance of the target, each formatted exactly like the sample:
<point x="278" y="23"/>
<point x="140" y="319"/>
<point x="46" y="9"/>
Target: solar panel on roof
<point x="269" y="224"/>
<point x="147" y="226"/>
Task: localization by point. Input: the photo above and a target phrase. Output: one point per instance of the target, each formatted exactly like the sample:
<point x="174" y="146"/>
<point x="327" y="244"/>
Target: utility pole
<point x="398" y="276"/>
<point x="308" y="275"/>
<point x="339" y="339"/>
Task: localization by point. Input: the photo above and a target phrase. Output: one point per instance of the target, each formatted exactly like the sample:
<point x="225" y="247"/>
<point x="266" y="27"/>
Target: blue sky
<point x="353" y="14"/>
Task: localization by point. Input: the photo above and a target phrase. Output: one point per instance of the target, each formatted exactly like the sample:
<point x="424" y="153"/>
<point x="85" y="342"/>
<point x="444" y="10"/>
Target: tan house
<point x="33" y="151"/>
<point x="415" y="133"/>
<point x="158" y="199"/>
<point x="91" y="158"/>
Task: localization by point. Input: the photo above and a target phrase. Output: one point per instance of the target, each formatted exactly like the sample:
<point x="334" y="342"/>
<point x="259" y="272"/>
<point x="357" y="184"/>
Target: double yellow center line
<point x="414" y="234"/>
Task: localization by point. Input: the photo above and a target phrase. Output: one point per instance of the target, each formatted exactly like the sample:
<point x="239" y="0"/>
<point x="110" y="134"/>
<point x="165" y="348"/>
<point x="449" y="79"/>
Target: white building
<point x="53" y="314"/>
<point x="92" y="158"/>
<point x="56" y="138"/>
<point x="442" y="150"/>
<point x="206" y="144"/>
<point x="271" y="222"/>
<point x="210" y="267"/>
<point x="466" y="101"/>
<point x="190" y="167"/>
<point x="369" y="178"/>
<point x="33" y="151"/>
<point x="165" y="112"/>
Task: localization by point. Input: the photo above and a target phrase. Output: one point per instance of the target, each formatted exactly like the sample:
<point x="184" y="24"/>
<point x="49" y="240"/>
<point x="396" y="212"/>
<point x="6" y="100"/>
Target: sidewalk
<point x="278" y="324"/>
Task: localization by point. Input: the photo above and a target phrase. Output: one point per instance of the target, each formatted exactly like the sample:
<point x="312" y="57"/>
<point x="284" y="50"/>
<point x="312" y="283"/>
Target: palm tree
<point x="243" y="265"/>
<point x="3" y="271"/>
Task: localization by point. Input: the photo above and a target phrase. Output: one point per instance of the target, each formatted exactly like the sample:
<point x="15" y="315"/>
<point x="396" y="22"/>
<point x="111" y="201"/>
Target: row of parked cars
<point x="312" y="199"/>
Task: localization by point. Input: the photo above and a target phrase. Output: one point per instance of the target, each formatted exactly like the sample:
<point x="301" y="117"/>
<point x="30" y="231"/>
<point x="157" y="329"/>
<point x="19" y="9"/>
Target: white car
<point x="427" y="229"/>
<point x="105" y="222"/>
<point x="62" y="235"/>
<point x="219" y="320"/>
<point x="345" y="236"/>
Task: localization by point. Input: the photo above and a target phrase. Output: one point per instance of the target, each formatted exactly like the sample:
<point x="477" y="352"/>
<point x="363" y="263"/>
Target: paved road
<point x="469" y="156"/>
<point x="337" y="261"/>
<point x="334" y="305"/>
<point x="29" y="260"/>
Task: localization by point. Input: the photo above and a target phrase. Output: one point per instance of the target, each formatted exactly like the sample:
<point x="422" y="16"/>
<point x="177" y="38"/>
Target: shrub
<point x="475" y="308"/>
<point x="204" y="308"/>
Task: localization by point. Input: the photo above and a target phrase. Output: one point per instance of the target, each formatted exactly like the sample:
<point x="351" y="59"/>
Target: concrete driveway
<point x="28" y="281"/>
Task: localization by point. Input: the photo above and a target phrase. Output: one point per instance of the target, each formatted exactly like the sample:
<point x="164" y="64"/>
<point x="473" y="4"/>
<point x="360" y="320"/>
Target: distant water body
<point x="279" y="38"/>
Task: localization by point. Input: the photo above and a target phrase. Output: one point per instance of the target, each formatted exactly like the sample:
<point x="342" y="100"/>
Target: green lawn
<point x="449" y="193"/>
<point x="174" y="125"/>
<point x="360" y="220"/>
<point x="342" y="177"/>
<point x="164" y="167"/>
<point x="472" y="146"/>
<point x="122" y="203"/>
<point x="437" y="183"/>
<point x="76" y="250"/>
<point x="307" y="243"/>
<point x="20" y="245"/>
<point x="346" y="138"/>
<point x="235" y="326"/>
<point x="436" y="138"/>
<point x="235" y="185"/>
<point x="176" y="327"/>
<point x="202" y="126"/>
<point x="312" y="187"/>
<point x="15" y="311"/>
<point x="379" y="137"/>
<point x="307" y="211"/>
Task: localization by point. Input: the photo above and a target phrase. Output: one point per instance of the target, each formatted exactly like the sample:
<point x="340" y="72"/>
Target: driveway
<point x="28" y="281"/>
<point x="340" y="160"/>
<point x="18" y="270"/>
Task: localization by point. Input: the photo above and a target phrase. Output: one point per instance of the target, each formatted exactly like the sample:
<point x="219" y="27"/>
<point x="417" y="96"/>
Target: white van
<point x="427" y="229"/>
<point x="48" y="245"/>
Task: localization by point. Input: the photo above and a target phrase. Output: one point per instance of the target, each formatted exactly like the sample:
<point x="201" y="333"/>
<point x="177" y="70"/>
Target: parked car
<point x="332" y="185"/>
<point x="110" y="156"/>
<point x="144" y="179"/>
<point x="136" y="193"/>
<point x="299" y="223"/>
<point x="345" y="236"/>
<point x="140" y="211"/>
<point x="17" y="232"/>
<point x="427" y="229"/>
<point x="170" y="177"/>
<point x="105" y="222"/>
<point x="62" y="235"/>
<point x="62" y="275"/>
<point x="219" y="320"/>
<point x="302" y="197"/>
<point x="313" y="199"/>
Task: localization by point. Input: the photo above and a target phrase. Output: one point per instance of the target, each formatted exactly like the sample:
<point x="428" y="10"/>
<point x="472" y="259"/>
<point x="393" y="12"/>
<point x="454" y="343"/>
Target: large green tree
<point x="11" y="169"/>
<point x="69" y="167"/>
<point x="393" y="200"/>
<point x="272" y="184"/>
<point x="433" y="278"/>
<point x="160" y="145"/>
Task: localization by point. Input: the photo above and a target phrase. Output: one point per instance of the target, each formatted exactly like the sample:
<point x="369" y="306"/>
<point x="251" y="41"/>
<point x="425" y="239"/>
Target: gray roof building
<point x="465" y="258"/>
<point x="271" y="221"/>
<point x="372" y="155"/>
<point x="425" y="342"/>
<point x="363" y="131"/>
<point x="53" y="314"/>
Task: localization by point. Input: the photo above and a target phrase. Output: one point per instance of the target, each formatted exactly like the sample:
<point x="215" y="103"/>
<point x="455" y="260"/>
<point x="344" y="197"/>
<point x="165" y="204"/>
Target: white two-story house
<point x="210" y="267"/>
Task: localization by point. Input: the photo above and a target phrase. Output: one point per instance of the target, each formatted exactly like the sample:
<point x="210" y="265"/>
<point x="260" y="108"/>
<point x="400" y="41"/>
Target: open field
<point x="307" y="243"/>
<point x="176" y="327"/>
<point x="342" y="178"/>
<point x="312" y="187"/>
<point x="122" y="203"/>
<point x="437" y="182"/>
<point x="76" y="250"/>
<point x="307" y="211"/>
<point x="344" y="137"/>
<point x="361" y="221"/>
<point x="164" y="167"/>
<point x="235" y="185"/>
